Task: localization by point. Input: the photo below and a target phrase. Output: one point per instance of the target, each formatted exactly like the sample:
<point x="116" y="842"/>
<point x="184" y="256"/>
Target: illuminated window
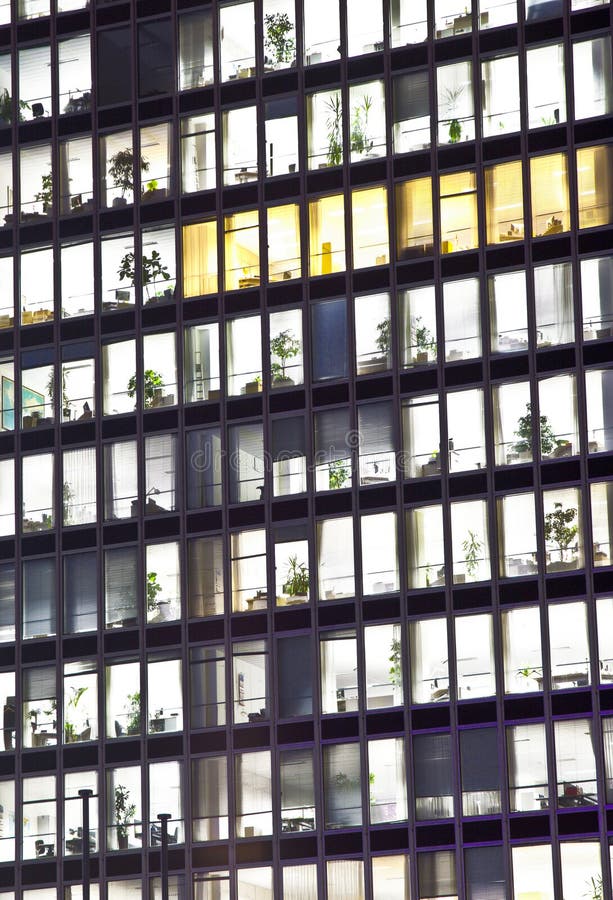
<point x="594" y="185"/>
<point x="199" y="259"/>
<point x="504" y="203"/>
<point x="242" y="249"/>
<point x="370" y="231"/>
<point x="283" y="242"/>
<point x="458" y="212"/>
<point x="327" y="235"/>
<point x="414" y="218"/>
<point x="550" y="205"/>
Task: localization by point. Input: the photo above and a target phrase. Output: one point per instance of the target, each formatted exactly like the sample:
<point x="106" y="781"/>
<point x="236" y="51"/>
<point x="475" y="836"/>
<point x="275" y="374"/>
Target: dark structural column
<point x="163" y="817"/>
<point x="85" y="793"/>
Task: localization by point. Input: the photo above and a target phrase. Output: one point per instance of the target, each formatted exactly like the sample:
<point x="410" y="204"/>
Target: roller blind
<point x="38" y="597"/>
<point x="432" y="765"/>
<point x="288" y="438"/>
<point x="80" y="594"/>
<point x="411" y="96"/>
<point x="479" y="758"/>
<point x="7" y="601"/>
<point x="376" y="428"/>
<point x="332" y="428"/>
<point x="329" y="340"/>
<point x="39" y="684"/>
<point x="120" y="587"/>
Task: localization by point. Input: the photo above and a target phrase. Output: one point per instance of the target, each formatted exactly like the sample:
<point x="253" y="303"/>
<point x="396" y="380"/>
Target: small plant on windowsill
<point x="284" y="346"/>
<point x="297" y="578"/>
<point x="278" y="45"/>
<point x="451" y="98"/>
<point x="124" y="815"/>
<point x="337" y="473"/>
<point x="423" y="340"/>
<point x="153" y="384"/>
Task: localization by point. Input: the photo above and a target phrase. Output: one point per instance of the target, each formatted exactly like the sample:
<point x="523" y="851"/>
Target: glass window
<point x="118" y="367"/>
<point x="160" y="473"/>
<point x="204" y="468"/>
<point x="123" y="700"/>
<point x="80" y="593"/>
<point x="207" y="671"/>
<point x="476" y="672"/>
<point x="367" y="127"/>
<point x="384" y="666"/>
<point x="601" y="495"/>
<point x="458" y="194"/>
<point x="332" y="449"/>
<point x="575" y="763"/>
<point x="76" y="184"/>
<point x="297" y="786"/>
<point x="568" y="645"/>
<point x="390" y="877"/>
<point x="522" y="652"/>
<point x="279" y="35"/>
<point x="7" y="840"/>
<point x="7" y="497"/>
<point x="549" y="192"/>
<point x="283" y="224"/>
<point x="162" y="582"/>
<point x="465" y="430"/>
<point x="114" y="81"/>
<point x="79" y="486"/>
<point x="242" y="251"/>
<point x="195" y="49"/>
<point x="553" y="301"/>
<point x="74" y="65"/>
<point x="199" y="259"/>
<point x="411" y="110"/>
<point x="209" y="799"/>
<point x="329" y="339"/>
<point x="513" y="440"/>
<point x="579" y="858"/>
<point x="595" y="192"/>
<point x="428" y="655"/>
<point x="120" y="587"/>
<point x="6" y="188"/>
<point x="425" y="547"/>
<point x="117" y="167"/>
<point x="409" y="22"/>
<point x="339" y="672"/>
<point x="73" y="812"/>
<point x="527" y="767"/>
<point x="237" y="40"/>
<point x="286" y="362"/>
<point x="599" y="409"/>
<point x="376" y="443"/>
<point x="7" y="302"/>
<point x="156" y="150"/>
<point x="7" y="602"/>
<point x="370" y="227"/>
<point x="517" y="535"/>
<point x="508" y="312"/>
<point x="324" y="129"/>
<point x="454" y="93"/>
<point x="604" y="611"/>
<point x="281" y="135"/>
<point x="77" y="279"/>
<point x="327" y="235"/>
<point x="202" y="363"/>
<point x="39" y="721"/>
<point x="433" y="774"/>
<point x="197" y="153"/>
<point x="480" y="771"/>
<point x="205" y="585"/>
<point x="39" y="835"/>
<point x="414" y="218"/>
<point x="379" y="554"/>
<point x="36" y="182"/>
<point x="321" y="32"/>
<point x="35" y="82"/>
<point x="563" y="530"/>
<point x="342" y="786"/>
<point x="558" y="417"/>
<point x="532" y="865"/>
<point x="504" y="201"/>
<point x="500" y="93"/>
<point x="292" y="577"/>
<point x="253" y="787"/>
<point x="164" y="695"/>
<point x="37" y="299"/>
<point x="470" y="542"/>
<point x="120" y="480"/>
<point x="80" y="701"/>
<point x="597" y="297"/>
<point x="335" y="558"/>
<point x="155" y="69"/>
<point x="387" y="781"/>
<point x="417" y="326"/>
<point x="250" y="682"/>
<point x="421" y="436"/>
<point x="244" y="355"/>
<point x="592" y="78"/>
<point x="37" y="473"/>
<point x="118" y="275"/>
<point x="124" y="811"/>
<point x="295" y="678"/>
<point x="240" y="149"/>
<point x="546" y="96"/>
<point x="248" y="560"/>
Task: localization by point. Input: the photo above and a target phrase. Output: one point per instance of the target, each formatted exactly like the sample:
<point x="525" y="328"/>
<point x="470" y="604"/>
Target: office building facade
<point x="306" y="446"/>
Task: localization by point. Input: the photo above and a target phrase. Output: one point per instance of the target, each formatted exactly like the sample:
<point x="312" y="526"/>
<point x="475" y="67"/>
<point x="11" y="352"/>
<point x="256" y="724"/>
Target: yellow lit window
<point x="549" y="190"/>
<point x="284" y="242"/>
<point x="504" y="203"/>
<point x="370" y="228"/>
<point x="594" y="174"/>
<point x="199" y="259"/>
<point x="459" y="212"/>
<point x="414" y="218"/>
<point x="327" y="235"/>
<point x="242" y="249"/>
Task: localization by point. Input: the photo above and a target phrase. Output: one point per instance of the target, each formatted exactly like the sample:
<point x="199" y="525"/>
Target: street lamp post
<point x="163" y="817"/>
<point x="85" y="794"/>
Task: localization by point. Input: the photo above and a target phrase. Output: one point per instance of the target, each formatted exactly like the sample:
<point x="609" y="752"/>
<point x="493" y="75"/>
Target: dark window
<point x="114" y="67"/>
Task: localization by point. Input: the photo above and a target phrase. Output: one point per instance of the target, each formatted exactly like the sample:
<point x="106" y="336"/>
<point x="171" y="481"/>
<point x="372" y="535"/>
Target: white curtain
<point x="346" y="879"/>
<point x="300" y="882"/>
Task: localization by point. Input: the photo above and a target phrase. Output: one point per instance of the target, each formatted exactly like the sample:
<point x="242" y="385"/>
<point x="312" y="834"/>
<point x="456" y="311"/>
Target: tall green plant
<point x="152" y="269"/>
<point x="558" y="527"/>
<point x="124" y="813"/>
<point x="472" y="548"/>
<point x="121" y="169"/>
<point x="359" y="137"/>
<point x="277" y="40"/>
<point x="547" y="437"/>
<point x="152" y="382"/>
<point x="335" y="131"/>
<point x="383" y="340"/>
<point x="284" y="346"/>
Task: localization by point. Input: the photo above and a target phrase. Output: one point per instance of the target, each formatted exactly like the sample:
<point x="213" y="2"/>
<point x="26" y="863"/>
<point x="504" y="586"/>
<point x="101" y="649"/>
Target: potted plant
<point x="395" y="661"/>
<point x="124" y="815"/>
<point x="278" y="45"/>
<point x="255" y="386"/>
<point x="153" y="589"/>
<point x="559" y="530"/>
<point x="549" y="442"/>
<point x="595" y="888"/>
<point x="70" y="730"/>
<point x="451" y="99"/>
<point x="359" y="140"/>
<point x="152" y="387"/>
<point x="121" y="170"/>
<point x="383" y="341"/>
<point x="133" y="714"/>
<point x="337" y="473"/>
<point x="51" y="393"/>
<point x="152" y="270"/>
<point x="6" y="107"/>
<point x="297" y="579"/>
<point x="152" y="191"/>
<point x="335" y="133"/>
<point x="45" y="195"/>
<point x="423" y="339"/>
<point x="284" y="346"/>
<point x="472" y="548"/>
